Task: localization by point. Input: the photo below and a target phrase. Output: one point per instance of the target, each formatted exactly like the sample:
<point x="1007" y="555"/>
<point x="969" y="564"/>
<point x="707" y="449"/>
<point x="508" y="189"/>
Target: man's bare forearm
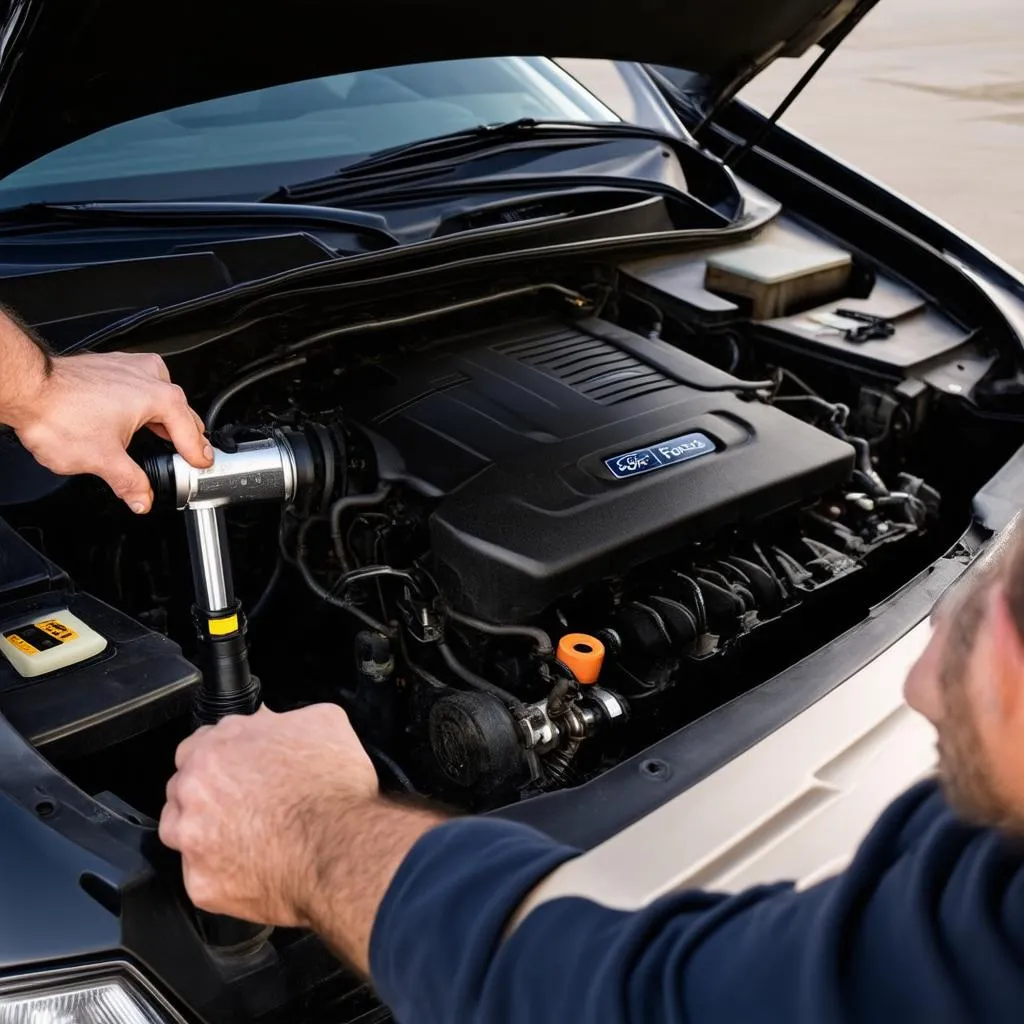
<point x="355" y="861"/>
<point x="25" y="365"/>
<point x="77" y="414"/>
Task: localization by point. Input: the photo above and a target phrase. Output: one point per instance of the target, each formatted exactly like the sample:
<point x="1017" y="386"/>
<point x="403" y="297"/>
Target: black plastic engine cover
<point x="510" y="430"/>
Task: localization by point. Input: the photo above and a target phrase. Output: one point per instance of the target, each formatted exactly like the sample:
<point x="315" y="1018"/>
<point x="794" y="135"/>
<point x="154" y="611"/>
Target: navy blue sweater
<point x="927" y="924"/>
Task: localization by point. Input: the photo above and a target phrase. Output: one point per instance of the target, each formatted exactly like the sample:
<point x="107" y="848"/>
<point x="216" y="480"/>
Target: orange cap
<point x="582" y="654"/>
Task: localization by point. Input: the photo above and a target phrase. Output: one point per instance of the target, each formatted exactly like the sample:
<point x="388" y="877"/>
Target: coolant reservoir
<point x="76" y="675"/>
<point x="50" y="642"/>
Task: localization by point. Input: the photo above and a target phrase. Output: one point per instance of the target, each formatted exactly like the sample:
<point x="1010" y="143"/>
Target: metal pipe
<point x="211" y="561"/>
<point x="262" y="470"/>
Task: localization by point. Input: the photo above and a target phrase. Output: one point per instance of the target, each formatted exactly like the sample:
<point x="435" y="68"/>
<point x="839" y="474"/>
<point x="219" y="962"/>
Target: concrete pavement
<point x="927" y="96"/>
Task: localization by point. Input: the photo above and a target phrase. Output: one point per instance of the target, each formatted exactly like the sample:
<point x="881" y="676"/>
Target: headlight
<point x="97" y="1000"/>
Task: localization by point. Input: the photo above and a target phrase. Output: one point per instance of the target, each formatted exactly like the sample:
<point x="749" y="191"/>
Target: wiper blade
<point x="469" y="141"/>
<point x="158" y="214"/>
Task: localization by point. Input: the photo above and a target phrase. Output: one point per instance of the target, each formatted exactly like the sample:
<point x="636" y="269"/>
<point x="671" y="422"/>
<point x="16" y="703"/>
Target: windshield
<point x="240" y="146"/>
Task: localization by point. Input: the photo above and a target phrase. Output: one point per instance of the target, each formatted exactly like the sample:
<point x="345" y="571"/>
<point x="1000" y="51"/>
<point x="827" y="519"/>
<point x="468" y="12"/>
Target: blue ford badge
<point x="660" y="455"/>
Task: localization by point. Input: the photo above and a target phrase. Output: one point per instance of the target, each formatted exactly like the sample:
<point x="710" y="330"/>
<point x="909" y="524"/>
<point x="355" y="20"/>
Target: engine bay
<point x="553" y="521"/>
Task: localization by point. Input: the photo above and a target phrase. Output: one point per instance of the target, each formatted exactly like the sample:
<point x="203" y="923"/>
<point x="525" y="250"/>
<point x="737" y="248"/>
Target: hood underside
<point x="69" y="68"/>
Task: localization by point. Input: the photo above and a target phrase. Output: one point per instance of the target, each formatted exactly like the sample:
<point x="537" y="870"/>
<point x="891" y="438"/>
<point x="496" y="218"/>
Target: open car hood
<point x="72" y="67"/>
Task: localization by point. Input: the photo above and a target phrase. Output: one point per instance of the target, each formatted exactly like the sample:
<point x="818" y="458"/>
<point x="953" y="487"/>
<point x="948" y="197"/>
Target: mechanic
<point x="76" y="414"/>
<point x="279" y="820"/>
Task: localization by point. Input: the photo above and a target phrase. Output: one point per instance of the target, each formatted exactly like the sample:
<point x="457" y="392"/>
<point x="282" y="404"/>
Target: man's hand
<point x="279" y="821"/>
<point x="77" y="414"/>
<point x="254" y="806"/>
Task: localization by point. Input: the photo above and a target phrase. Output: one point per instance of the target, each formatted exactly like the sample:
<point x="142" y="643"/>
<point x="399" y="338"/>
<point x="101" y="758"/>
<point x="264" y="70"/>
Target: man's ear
<point x="1004" y="688"/>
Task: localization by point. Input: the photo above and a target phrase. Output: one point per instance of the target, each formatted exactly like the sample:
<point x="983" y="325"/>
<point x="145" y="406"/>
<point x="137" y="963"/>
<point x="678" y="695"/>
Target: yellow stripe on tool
<point x="221" y="627"/>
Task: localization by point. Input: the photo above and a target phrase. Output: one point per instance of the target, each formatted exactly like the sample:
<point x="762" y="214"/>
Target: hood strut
<point x="739" y="150"/>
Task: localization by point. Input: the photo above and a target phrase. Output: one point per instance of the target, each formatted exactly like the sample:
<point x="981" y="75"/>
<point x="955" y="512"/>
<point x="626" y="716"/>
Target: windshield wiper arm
<point x="214" y="213"/>
<point x="473" y="140"/>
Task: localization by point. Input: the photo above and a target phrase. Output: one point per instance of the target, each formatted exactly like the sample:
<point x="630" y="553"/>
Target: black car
<point x="604" y="468"/>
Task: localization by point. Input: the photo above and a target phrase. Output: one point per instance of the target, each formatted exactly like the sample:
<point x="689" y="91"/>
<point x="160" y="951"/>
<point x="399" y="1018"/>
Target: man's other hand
<point x="258" y="809"/>
<point x="80" y="417"/>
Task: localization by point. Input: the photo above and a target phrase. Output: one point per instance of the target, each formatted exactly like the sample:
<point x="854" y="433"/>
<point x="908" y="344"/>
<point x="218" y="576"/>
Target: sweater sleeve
<point x="926" y="924"/>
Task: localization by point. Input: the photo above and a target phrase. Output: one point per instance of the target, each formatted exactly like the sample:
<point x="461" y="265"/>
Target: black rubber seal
<point x="228" y="686"/>
<point x="160" y="470"/>
<point x="305" y="461"/>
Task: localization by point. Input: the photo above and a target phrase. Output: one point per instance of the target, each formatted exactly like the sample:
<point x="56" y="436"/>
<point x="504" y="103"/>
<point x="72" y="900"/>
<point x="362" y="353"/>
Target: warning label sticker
<point x="57" y="630"/>
<point x="23" y="645"/>
<point x="40" y="636"/>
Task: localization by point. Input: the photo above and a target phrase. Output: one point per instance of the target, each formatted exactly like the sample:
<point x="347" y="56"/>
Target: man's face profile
<point x="969" y="683"/>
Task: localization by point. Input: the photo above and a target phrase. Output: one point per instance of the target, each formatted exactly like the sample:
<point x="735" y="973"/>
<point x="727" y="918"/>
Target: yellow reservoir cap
<point x="583" y="655"/>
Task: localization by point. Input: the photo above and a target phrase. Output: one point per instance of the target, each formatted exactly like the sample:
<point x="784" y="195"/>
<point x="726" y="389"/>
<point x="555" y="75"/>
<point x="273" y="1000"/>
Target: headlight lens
<point x="100" y="1001"/>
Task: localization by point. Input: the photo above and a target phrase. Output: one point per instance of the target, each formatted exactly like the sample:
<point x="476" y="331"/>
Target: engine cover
<point x="559" y="453"/>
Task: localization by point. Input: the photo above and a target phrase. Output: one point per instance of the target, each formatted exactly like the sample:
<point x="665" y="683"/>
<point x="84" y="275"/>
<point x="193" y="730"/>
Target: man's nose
<point x="922" y="690"/>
